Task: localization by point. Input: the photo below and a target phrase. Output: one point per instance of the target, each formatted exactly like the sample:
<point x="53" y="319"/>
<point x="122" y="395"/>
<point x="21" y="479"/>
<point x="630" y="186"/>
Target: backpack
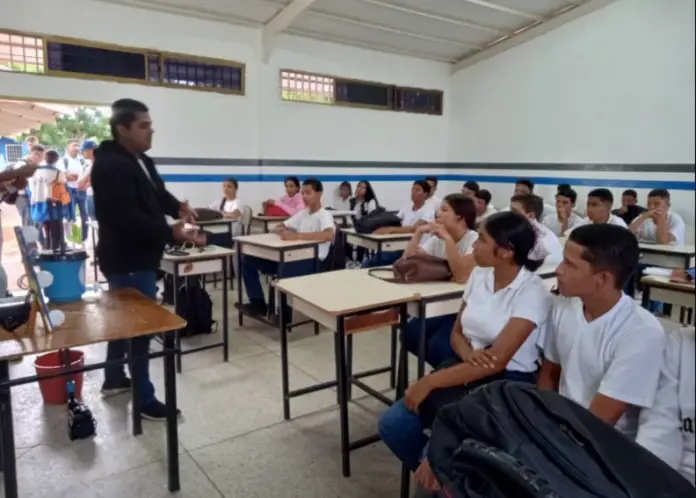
<point x="193" y="304"/>
<point x="507" y="439"/>
<point x="376" y="219"/>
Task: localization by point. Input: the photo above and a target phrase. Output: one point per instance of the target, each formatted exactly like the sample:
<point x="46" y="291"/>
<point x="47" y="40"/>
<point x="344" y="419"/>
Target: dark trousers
<point x="146" y="283"/>
<point x="382" y="259"/>
<point x="438" y="331"/>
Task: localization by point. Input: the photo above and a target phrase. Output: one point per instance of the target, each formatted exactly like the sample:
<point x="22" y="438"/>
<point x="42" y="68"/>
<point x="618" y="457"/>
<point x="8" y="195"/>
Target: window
<point x="182" y="71"/>
<point x="22" y="54"/>
<point x="299" y="86"/>
<point x="97" y="61"/>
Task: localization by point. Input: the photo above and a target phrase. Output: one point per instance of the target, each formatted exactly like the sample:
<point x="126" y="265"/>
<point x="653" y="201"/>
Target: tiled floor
<point x="233" y="440"/>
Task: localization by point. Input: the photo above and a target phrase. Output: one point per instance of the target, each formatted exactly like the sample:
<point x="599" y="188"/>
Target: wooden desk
<point x="268" y="222"/>
<point x="332" y="299"/>
<point x="667" y="256"/>
<point x="203" y="261"/>
<point x="377" y="242"/>
<point x="223" y="225"/>
<point x="107" y="316"/>
<point x="342" y="218"/>
<point x="675" y="293"/>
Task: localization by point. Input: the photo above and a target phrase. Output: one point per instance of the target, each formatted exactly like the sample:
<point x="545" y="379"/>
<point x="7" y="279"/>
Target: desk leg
<point x="176" y="283"/>
<point x="394" y="342"/>
<point x="230" y="266"/>
<point x="136" y="417"/>
<point x="9" y="464"/>
<point x="349" y="367"/>
<point x="170" y="402"/>
<point x="317" y="269"/>
<point x="645" y="298"/>
<point x="226" y="263"/>
<point x="240" y="315"/>
<point x="402" y="381"/>
<point x="342" y="388"/>
<point x="284" y="358"/>
<point x="421" y="339"/>
<point x="94" y="258"/>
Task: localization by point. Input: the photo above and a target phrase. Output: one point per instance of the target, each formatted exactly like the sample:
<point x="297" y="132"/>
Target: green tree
<point x="87" y="122"/>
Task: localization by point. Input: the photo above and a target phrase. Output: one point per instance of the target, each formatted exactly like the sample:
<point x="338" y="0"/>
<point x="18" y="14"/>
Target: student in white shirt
<point x="525" y="186"/>
<point x="313" y="223"/>
<point x="73" y="166"/>
<point x="230" y="207"/>
<point x="84" y="181"/>
<point x="484" y="208"/>
<point x="433" y="200"/>
<point x="365" y="199"/>
<point x="344" y="199"/>
<point x="659" y="225"/>
<point x="667" y="428"/>
<point x="503" y="311"/>
<point x="548" y="248"/>
<point x="470" y="188"/>
<point x="599" y="203"/>
<point x="602" y="350"/>
<point x="564" y="218"/>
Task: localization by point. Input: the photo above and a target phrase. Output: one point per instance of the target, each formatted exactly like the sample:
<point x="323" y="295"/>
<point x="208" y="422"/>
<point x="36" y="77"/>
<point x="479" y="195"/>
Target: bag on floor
<point x="416" y="269"/>
<point x="507" y="439"/>
<point x="194" y="305"/>
<point x="378" y="218"/>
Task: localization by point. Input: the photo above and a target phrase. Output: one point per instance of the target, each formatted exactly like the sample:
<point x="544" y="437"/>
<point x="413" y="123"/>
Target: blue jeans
<point x="78" y="198"/>
<point x="145" y="282"/>
<point x="253" y="267"/>
<point x="402" y="430"/>
<point x="382" y="259"/>
<point x="90" y="207"/>
<point x="438" y="331"/>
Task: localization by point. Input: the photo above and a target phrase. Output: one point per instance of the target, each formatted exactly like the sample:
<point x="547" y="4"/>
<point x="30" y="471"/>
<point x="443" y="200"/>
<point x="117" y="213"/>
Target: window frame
<point x="441" y="93"/>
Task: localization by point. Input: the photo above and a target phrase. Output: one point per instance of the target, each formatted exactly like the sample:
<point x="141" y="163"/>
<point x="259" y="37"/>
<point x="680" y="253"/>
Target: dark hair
<point x="424" y="185"/>
<point x="472" y="185"/>
<point x="630" y="193"/>
<point x="37" y="148"/>
<point x="124" y="112"/>
<point x="431" y="179"/>
<point x="608" y="248"/>
<point x="527" y="183"/>
<point x="603" y="194"/>
<point x="569" y="193"/>
<point x="369" y="194"/>
<point x="484" y="195"/>
<point x="348" y="186"/>
<point x="464" y="207"/>
<point x="316" y="184"/>
<point x="292" y="179"/>
<point x="511" y="230"/>
<point x="660" y="192"/>
<point x="233" y="181"/>
<point x="530" y="203"/>
<point x="563" y="186"/>
<point x="51" y="156"/>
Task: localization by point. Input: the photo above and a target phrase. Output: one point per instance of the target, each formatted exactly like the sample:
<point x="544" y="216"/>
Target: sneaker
<point x="114" y="388"/>
<point x="156" y="411"/>
<point x="258" y="309"/>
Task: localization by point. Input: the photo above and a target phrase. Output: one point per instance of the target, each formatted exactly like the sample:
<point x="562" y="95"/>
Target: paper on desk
<point x="658" y="272"/>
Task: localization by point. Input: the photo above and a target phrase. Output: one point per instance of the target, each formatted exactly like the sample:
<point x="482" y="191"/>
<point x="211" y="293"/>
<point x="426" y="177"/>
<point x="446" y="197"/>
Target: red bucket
<point x="54" y="391"/>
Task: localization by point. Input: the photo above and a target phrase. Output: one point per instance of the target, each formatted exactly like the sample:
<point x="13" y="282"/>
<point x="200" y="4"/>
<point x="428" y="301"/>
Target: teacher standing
<point x="131" y="202"/>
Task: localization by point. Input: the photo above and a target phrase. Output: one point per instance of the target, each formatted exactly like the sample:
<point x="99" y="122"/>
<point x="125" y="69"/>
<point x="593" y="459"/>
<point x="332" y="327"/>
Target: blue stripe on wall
<point x="588" y="182"/>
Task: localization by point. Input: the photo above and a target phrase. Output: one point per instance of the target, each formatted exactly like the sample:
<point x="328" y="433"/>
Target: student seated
<point x="629" y="210"/>
<point x="344" y="201"/>
<point x="525" y="186"/>
<point x="313" y="223"/>
<point x="365" y="199"/>
<point x="601" y="348"/>
<point x="599" y="202"/>
<point x="412" y="216"/>
<point x="433" y="200"/>
<point x="470" y="189"/>
<point x="229" y="205"/>
<point x="564" y="219"/>
<point x="503" y="310"/>
<point x="547" y="248"/>
<point x="287" y="205"/>
<point x="667" y="427"/>
<point x="484" y="208"/>
<point x="659" y="225"/>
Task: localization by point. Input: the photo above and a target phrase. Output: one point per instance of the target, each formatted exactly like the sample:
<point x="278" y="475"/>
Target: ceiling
<point x="460" y="32"/>
<point x="17" y="117"/>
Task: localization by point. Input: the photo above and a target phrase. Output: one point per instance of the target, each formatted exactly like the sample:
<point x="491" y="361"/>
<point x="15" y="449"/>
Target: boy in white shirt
<point x="312" y="224"/>
<point x="659" y="225"/>
<point x="667" y="428"/>
<point x="73" y="166"/>
<point x="599" y="203"/>
<point x="548" y="248"/>
<point x="564" y="219"/>
<point x="525" y="186"/>
<point x="601" y="346"/>
<point x="484" y="208"/>
<point x="433" y="199"/>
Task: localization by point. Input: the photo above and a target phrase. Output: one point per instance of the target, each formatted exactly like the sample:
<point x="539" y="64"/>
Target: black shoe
<point x="258" y="309"/>
<point x="114" y="388"/>
<point x="156" y="411"/>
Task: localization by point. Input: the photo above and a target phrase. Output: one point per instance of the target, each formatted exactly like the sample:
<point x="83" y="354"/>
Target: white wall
<point x="616" y="86"/>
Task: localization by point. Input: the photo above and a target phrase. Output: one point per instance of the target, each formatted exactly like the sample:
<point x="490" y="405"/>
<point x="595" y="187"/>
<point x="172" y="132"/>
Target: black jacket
<point x="130" y="210"/>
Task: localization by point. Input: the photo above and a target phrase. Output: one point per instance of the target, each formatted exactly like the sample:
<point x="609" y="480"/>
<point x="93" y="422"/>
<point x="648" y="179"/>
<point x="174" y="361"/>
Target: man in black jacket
<point x="131" y="202"/>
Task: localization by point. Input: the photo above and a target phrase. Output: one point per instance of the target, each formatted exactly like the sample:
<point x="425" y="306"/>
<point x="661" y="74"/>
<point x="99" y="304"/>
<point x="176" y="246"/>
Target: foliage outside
<point x="86" y="123"/>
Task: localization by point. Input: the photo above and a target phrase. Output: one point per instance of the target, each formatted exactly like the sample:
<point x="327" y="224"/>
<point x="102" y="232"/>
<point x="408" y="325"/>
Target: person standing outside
<point x="34" y="156"/>
<point x="73" y="165"/>
<point x="131" y="202"/>
<point x="84" y="182"/>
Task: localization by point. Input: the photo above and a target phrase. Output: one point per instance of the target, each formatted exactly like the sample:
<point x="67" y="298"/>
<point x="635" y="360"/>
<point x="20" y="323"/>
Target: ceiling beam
<point x="280" y="22"/>
<point x="503" y="9"/>
<point x="531" y="32"/>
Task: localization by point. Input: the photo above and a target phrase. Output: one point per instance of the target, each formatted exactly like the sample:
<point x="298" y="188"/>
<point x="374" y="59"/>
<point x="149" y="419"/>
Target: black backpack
<point x="194" y="305"/>
<point x="376" y="219"/>
<point x="507" y="439"/>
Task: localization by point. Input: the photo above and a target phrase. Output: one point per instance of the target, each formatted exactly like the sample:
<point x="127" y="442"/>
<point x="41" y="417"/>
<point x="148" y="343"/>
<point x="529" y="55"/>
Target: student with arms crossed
<point x="503" y="311"/>
<point x="547" y="247"/>
<point x="418" y="213"/>
<point x="313" y="223"/>
<point x="452" y="237"/>
<point x="667" y="428"/>
<point x="659" y="225"/>
<point x="601" y="348"/>
<point x="565" y="218"/>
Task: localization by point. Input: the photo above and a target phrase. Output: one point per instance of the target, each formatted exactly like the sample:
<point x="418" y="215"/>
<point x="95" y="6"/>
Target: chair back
<point x="247" y="214"/>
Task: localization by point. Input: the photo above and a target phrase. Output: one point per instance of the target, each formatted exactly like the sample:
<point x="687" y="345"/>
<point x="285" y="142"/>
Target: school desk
<point x="667" y="256"/>
<point x="378" y="243"/>
<point x="662" y="289"/>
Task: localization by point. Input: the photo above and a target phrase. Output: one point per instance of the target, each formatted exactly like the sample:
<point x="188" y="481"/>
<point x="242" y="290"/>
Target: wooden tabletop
<point x="666" y="248"/>
<point x="273" y="241"/>
<point x="207" y="252"/>
<point x="339" y="212"/>
<point x="221" y="221"/>
<point x="666" y="283"/>
<point x="379" y="236"/>
<point x="106" y="316"/>
<point x="263" y="217"/>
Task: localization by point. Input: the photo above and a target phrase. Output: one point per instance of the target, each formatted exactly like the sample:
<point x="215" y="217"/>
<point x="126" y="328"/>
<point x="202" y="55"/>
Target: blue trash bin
<point x="69" y="272"/>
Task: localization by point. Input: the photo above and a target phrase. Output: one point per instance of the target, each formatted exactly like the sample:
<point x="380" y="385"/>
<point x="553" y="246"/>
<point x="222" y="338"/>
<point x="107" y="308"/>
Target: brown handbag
<point x="417" y="269"/>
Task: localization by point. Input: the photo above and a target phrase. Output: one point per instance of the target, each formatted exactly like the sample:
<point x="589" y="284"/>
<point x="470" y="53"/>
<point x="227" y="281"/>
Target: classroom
<point x="315" y="159"/>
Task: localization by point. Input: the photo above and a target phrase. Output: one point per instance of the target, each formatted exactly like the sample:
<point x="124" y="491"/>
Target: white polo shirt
<point x="435" y="203"/>
<point x="614" y="355"/>
<point x="369" y="207"/>
<point x="409" y="216"/>
<point x="547" y="243"/>
<point x="489" y="211"/>
<point x="228" y="206"/>
<point x="648" y="230"/>
<point x="667" y="428"/>
<point x="305" y="222"/>
<point x="553" y="223"/>
<point x="71" y="166"/>
<point x="487" y="312"/>
<point x="437" y="247"/>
